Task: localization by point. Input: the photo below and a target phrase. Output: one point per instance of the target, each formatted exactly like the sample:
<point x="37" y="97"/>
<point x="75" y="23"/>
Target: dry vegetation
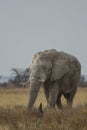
<point x="13" y="114"/>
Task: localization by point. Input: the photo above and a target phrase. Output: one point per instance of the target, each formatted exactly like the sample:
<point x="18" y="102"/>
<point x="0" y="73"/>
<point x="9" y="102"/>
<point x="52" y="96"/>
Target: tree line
<point x="22" y="75"/>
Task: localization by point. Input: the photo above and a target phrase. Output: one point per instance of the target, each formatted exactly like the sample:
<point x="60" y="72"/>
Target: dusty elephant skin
<point x="59" y="72"/>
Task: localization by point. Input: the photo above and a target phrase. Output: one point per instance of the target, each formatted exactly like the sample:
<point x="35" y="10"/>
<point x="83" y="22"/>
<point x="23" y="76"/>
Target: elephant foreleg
<point x="53" y="92"/>
<point x="46" y="91"/>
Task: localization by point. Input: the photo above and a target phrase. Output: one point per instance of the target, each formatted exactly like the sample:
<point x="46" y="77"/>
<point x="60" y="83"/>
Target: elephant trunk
<point x="34" y="89"/>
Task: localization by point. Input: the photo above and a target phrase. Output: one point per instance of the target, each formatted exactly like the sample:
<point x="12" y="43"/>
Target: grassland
<point x="13" y="114"/>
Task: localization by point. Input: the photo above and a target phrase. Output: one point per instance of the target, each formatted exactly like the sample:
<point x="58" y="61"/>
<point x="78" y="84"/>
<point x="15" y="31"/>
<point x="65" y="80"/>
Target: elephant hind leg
<point x="69" y="97"/>
<point x="69" y="100"/>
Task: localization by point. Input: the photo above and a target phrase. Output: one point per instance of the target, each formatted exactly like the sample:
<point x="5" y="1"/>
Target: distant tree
<point x="21" y="76"/>
<point x="82" y="79"/>
<point x="83" y="82"/>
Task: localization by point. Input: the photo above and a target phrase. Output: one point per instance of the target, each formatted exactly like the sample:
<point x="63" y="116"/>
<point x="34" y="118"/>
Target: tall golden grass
<point x="13" y="114"/>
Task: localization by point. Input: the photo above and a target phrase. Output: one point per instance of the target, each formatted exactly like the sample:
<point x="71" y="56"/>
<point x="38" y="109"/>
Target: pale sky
<point x="29" y="26"/>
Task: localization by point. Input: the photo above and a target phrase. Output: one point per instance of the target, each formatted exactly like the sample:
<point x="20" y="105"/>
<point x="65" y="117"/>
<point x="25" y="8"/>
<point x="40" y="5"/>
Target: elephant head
<point x="40" y="72"/>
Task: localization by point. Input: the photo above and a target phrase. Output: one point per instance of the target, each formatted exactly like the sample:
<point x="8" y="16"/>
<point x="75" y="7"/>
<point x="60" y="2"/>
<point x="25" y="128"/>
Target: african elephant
<point x="59" y="72"/>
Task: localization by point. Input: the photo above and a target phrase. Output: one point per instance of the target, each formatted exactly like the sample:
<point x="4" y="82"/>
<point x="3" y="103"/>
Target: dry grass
<point x="13" y="114"/>
<point x="11" y="97"/>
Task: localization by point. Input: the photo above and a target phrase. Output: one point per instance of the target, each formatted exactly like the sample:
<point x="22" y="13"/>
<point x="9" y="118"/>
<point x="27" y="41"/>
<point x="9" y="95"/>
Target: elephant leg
<point x="58" y="101"/>
<point x="69" y="97"/>
<point x="46" y="91"/>
<point x="69" y="100"/>
<point x="53" y="92"/>
<point x="47" y="86"/>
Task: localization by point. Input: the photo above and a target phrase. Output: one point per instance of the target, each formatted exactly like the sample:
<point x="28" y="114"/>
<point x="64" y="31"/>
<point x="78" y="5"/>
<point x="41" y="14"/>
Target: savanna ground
<point x="13" y="114"/>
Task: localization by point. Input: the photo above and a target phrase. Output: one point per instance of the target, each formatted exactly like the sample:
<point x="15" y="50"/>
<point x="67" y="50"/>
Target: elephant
<point x="59" y="72"/>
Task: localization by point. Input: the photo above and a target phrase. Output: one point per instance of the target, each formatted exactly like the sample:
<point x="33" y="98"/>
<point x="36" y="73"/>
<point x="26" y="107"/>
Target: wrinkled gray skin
<point x="59" y="72"/>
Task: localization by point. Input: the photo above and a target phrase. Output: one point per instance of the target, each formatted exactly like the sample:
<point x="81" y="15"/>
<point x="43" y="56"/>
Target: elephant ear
<point x="59" y="69"/>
